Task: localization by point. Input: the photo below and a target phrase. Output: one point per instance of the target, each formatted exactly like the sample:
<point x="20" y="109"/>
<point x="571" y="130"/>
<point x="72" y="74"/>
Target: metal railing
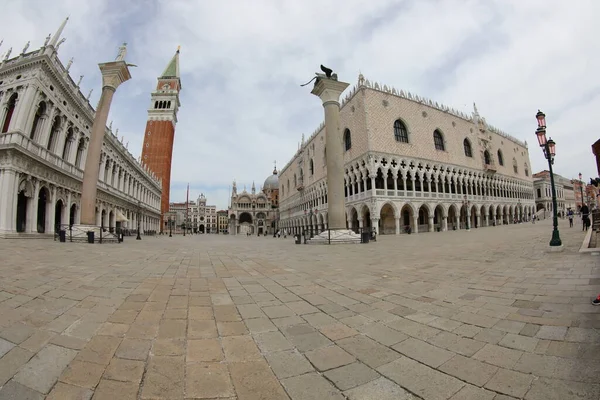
<point x="76" y="234"/>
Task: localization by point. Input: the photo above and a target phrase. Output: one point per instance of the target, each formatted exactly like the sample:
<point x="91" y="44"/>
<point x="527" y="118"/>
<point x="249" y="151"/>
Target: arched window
<point x="41" y="110"/>
<point x="526" y="170"/>
<point x="400" y="132"/>
<point x="156" y="104"/>
<point x="169" y="104"/>
<point x="67" y="146"/>
<point x="53" y="134"/>
<point x="467" y="146"/>
<point x="438" y="140"/>
<point x="500" y="158"/>
<point x="487" y="159"/>
<point x="515" y="166"/>
<point x="347" y="140"/>
<point x="295" y="181"/>
<point x="12" y="102"/>
<point x="79" y="156"/>
<point x="312" y="167"/>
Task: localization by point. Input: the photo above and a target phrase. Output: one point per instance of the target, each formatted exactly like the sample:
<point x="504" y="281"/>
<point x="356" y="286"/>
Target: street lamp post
<point x="138" y="220"/>
<point x="466" y="203"/>
<point x="549" y="148"/>
<point x="581" y="189"/>
<point x="170" y="225"/>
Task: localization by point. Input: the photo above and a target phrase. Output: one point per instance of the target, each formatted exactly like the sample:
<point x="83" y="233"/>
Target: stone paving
<point x="486" y="314"/>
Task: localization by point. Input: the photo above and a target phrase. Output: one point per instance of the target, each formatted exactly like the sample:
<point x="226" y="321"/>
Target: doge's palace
<point x="45" y="125"/>
<point x="411" y="165"/>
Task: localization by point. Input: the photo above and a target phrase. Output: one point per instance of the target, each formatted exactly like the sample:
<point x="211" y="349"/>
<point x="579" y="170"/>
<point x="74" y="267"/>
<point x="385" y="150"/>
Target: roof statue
<point x="47" y="40"/>
<point x="122" y="52"/>
<point x="61" y="42"/>
<point x="68" y="67"/>
<point x="26" y="47"/>
<point x="328" y="74"/>
<point x="7" y="54"/>
<point x="80" y="79"/>
<point x="89" y="94"/>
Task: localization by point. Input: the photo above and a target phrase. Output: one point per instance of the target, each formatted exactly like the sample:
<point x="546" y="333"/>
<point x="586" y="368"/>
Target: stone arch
<point x="43" y="209"/>
<point x="453" y="215"/>
<point x="352" y="212"/>
<point x="387" y="218"/>
<point x="54" y="133"/>
<point x="39" y="115"/>
<point x="407" y="213"/>
<point x="439" y="212"/>
<point x="423" y="218"/>
<point x="24" y="197"/>
<point x="482" y="215"/>
<point x="10" y="110"/>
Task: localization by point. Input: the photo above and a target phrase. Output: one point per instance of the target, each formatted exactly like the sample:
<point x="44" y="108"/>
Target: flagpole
<point x="187" y="199"/>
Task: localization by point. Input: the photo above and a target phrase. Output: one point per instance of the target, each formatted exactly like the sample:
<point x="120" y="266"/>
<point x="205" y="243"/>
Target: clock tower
<point x="157" y="151"/>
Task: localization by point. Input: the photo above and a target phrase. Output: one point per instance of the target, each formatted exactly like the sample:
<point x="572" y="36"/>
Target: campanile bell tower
<point x="157" y="151"/>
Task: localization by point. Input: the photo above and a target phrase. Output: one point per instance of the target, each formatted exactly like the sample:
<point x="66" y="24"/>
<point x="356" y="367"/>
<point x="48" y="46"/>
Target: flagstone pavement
<point x="486" y="314"/>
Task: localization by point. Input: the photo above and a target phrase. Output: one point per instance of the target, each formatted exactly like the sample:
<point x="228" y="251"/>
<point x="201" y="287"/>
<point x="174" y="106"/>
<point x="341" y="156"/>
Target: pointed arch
<point x="400" y="131"/>
<point x="487" y="159"/>
<point x="500" y="158"/>
<point x="438" y="140"/>
<point x="311" y="167"/>
<point x="347" y="140"/>
<point x="467" y="148"/>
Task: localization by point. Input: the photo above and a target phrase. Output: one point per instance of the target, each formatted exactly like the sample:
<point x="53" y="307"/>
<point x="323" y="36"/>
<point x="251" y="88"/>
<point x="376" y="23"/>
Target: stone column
<point x="430" y="224"/>
<point x="415" y="222"/>
<point x="444" y="223"/>
<point x="113" y="74"/>
<point x="8" y="193"/>
<point x="329" y="91"/>
<point x="397" y="221"/>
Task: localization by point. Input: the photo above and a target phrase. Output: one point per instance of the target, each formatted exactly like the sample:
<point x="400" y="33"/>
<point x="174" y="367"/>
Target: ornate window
<point x="526" y="170"/>
<point x="467" y="146"/>
<point x="487" y="159"/>
<point x="312" y="167"/>
<point x="400" y="132"/>
<point x="12" y="102"/>
<point x="515" y="166"/>
<point x="347" y="140"/>
<point x="438" y="140"/>
<point x="500" y="158"/>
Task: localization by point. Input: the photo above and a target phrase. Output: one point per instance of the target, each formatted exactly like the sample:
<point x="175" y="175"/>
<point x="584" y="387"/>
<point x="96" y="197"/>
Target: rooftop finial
<point x="275" y="167"/>
<point x="89" y="94"/>
<point x="80" y="79"/>
<point x="54" y="41"/>
<point x="178" y="48"/>
<point x="69" y="64"/>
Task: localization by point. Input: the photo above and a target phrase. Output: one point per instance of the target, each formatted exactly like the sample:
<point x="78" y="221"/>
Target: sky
<point x="242" y="63"/>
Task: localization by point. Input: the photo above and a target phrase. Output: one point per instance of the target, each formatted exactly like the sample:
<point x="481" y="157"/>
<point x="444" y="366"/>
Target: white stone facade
<point x="409" y="162"/>
<point x="45" y="125"/>
<point x="565" y="194"/>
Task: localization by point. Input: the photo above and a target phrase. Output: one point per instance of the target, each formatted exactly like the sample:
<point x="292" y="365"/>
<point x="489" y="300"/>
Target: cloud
<point x="242" y="63"/>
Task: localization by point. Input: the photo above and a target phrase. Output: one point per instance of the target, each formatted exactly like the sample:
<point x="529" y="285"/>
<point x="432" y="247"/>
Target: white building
<point x="45" y="125"/>
<point x="409" y="162"/>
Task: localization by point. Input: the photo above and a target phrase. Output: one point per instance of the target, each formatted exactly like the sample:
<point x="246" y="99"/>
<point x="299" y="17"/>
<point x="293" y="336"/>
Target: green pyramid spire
<point x="172" y="69"/>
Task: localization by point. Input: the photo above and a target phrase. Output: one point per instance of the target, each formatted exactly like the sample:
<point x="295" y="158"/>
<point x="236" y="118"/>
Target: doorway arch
<point x="72" y="214"/>
<point x="43" y="197"/>
<point x="58" y="214"/>
<point x="22" y="203"/>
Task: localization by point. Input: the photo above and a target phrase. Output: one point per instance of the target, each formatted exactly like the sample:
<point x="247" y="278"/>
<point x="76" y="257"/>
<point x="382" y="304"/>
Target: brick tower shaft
<point x="157" y="151"/>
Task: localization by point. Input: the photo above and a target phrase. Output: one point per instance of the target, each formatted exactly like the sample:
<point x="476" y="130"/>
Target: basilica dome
<point x="272" y="182"/>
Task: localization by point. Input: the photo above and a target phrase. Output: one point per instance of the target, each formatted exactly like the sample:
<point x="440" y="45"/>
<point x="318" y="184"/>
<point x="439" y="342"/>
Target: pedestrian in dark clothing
<point x="585" y="217"/>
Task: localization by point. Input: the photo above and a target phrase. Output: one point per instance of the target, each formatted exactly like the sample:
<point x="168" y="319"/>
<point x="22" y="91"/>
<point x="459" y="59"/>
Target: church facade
<point x="411" y="165"/>
<point x="255" y="213"/>
<point x="45" y="126"/>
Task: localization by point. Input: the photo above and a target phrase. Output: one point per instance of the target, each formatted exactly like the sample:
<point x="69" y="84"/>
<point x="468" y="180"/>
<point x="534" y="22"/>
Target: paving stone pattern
<point x="487" y="314"/>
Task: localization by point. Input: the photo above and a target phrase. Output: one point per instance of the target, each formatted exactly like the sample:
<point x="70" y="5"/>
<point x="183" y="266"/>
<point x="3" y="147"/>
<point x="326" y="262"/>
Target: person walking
<point x="585" y="216"/>
<point x="570" y="218"/>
